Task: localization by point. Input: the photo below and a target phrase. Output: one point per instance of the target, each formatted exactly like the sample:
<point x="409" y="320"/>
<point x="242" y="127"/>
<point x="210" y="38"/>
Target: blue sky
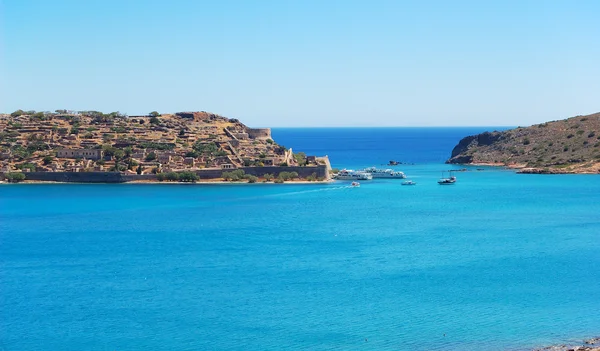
<point x="306" y="63"/>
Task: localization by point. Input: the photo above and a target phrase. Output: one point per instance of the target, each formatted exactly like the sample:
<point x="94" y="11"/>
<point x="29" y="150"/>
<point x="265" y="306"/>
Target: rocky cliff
<point x="571" y="145"/>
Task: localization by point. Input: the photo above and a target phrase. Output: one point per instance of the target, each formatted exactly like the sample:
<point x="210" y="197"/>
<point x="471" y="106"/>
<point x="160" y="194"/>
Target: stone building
<point x="92" y="154"/>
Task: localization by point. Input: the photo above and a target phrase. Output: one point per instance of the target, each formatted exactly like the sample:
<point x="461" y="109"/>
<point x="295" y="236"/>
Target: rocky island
<point x="571" y="145"/>
<point x="91" y="146"/>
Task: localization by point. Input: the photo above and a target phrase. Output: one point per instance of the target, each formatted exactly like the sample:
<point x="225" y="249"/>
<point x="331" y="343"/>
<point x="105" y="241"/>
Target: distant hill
<point x="566" y="146"/>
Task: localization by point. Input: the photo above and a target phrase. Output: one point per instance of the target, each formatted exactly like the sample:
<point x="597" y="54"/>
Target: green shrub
<point x="15" y="177"/>
<point x="251" y="178"/>
<point x="17" y="113"/>
<point x="278" y="181"/>
<point x="235" y="175"/>
<point x="172" y="176"/>
<point x="151" y="156"/>
<point x="26" y="165"/>
<point x="188" y="176"/>
<point x="47" y="159"/>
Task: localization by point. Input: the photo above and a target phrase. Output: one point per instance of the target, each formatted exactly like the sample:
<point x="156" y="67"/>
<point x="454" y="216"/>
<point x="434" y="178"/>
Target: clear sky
<point x="304" y="62"/>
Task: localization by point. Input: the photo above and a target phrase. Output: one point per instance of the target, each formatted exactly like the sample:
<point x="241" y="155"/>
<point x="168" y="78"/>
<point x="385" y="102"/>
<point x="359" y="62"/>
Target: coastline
<point x="199" y="182"/>
<point x="592" y="344"/>
<point x="523" y="169"/>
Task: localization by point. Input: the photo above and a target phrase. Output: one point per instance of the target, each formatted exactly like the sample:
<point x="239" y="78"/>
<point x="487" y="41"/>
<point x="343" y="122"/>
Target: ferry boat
<point x="348" y="174"/>
<point x="384" y="173"/>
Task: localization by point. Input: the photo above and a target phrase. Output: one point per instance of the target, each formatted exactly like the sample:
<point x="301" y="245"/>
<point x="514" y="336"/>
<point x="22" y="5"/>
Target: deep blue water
<point x="498" y="261"/>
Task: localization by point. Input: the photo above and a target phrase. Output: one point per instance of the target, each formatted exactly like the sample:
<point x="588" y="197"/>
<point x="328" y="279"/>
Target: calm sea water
<point x="498" y="261"/>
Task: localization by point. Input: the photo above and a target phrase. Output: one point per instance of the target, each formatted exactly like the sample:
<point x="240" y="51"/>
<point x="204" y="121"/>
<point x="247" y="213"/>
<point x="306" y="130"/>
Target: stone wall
<point x="76" y="177"/>
<point x="303" y="172"/>
<point x="259" y="133"/>
<point x="116" y="177"/>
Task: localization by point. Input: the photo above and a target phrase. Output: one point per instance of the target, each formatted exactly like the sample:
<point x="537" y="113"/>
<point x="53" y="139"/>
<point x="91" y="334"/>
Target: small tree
<point x="300" y="158"/>
<point x="268" y="177"/>
<point x="15" y="177"/>
<point x="251" y="178"/>
<point x="17" y="113"/>
<point x="188" y="176"/>
<point x="139" y="169"/>
<point x="172" y="176"/>
<point x="47" y="159"/>
<point x="154" y="120"/>
<point x="154" y="114"/>
<point x="151" y="156"/>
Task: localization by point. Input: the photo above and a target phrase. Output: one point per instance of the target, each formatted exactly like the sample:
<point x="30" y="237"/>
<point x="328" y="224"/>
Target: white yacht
<point x="384" y="173"/>
<point x="348" y="174"/>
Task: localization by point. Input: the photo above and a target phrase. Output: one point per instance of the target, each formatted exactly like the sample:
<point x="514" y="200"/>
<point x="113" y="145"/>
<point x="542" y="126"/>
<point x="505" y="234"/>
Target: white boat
<point x="447" y="181"/>
<point x="355" y="184"/>
<point x="384" y="173"/>
<point x="348" y="174"/>
<point x="409" y="182"/>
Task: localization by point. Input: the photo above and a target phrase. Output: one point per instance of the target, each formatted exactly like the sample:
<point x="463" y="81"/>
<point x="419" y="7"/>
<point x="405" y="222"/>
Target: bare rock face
<point x="485" y="138"/>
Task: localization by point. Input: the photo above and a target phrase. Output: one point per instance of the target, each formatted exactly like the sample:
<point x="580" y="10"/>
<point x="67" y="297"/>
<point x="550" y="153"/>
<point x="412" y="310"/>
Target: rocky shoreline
<point x="569" y="146"/>
<point x="592" y="344"/>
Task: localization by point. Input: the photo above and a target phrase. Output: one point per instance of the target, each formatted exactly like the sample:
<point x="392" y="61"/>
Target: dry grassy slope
<point x="570" y="145"/>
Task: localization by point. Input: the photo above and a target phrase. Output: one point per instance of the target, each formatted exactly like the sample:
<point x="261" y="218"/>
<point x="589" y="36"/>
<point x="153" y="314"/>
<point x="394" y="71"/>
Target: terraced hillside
<point x="94" y="141"/>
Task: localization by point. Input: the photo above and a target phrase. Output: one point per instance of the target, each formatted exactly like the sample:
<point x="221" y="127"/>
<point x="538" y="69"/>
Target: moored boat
<point x="447" y="181"/>
<point x="384" y="173"/>
<point x="348" y="174"/>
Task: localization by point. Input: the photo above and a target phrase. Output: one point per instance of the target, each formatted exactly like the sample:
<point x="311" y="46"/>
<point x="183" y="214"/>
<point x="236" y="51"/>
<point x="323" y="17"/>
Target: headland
<point x="96" y="147"/>
<point x="566" y="146"/>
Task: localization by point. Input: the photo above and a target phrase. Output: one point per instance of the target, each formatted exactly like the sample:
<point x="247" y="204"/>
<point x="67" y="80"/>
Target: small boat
<point x="409" y="182"/>
<point x="447" y="181"/>
<point x="355" y="184"/>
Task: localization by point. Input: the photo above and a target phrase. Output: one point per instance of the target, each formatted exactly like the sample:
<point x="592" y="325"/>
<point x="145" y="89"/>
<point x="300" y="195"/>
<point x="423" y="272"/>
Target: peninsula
<point x="571" y="145"/>
<point x="91" y="146"/>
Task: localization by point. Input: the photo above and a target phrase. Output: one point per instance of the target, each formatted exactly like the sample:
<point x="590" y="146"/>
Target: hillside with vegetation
<point x="92" y="141"/>
<point x="571" y="145"/>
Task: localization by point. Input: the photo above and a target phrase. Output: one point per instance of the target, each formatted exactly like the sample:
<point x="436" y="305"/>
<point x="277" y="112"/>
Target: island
<point x="571" y="145"/>
<point x="91" y="146"/>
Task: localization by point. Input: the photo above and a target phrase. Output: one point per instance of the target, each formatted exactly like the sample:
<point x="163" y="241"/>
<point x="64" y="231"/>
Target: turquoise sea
<point x="498" y="261"/>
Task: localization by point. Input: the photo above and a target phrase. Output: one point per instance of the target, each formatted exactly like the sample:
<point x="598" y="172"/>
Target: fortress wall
<point x="259" y="133"/>
<point x="303" y="172"/>
<point x="115" y="177"/>
<point x="76" y="177"/>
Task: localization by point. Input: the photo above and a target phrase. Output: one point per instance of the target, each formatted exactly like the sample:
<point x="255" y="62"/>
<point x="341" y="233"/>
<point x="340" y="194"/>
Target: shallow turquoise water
<point x="499" y="261"/>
